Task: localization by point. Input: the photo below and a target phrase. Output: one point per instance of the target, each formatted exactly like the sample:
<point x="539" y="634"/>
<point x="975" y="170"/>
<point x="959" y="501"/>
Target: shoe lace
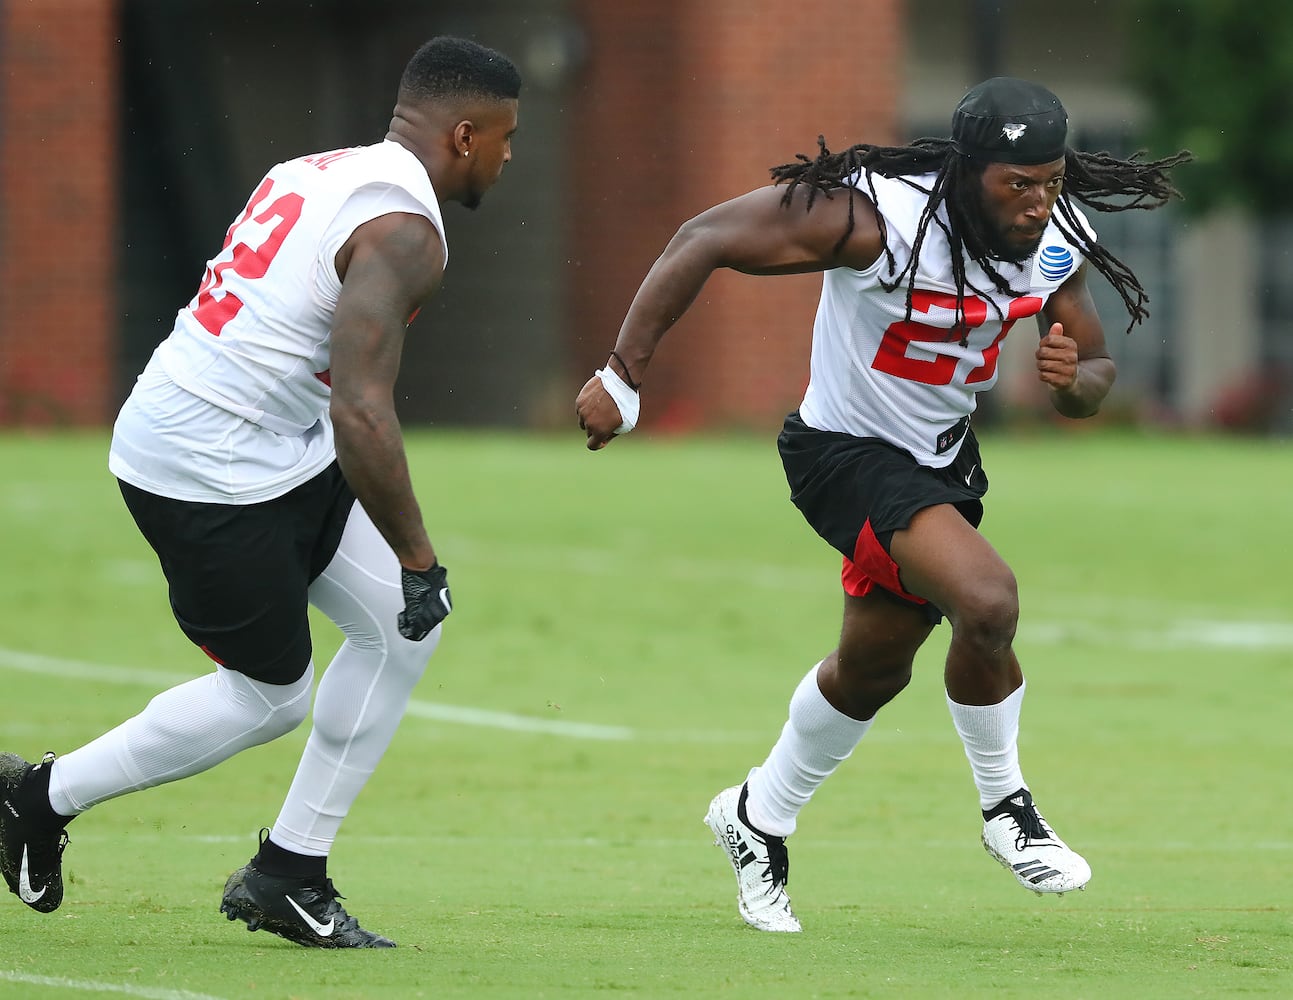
<point x="1029" y="823"/>
<point x="777" y="871"/>
<point x="47" y="852"/>
<point x="335" y="910"/>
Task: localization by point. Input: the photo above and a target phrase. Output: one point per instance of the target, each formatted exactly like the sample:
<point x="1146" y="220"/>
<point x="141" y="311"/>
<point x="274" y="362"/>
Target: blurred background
<point x="132" y="131"/>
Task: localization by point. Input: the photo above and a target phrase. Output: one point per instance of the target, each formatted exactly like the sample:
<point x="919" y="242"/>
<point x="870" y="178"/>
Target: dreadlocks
<point x="1098" y="180"/>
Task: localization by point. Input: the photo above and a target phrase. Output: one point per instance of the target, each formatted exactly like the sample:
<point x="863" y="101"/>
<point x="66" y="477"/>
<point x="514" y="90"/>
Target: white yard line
<point x="84" y="670"/>
<point x="98" y="986"/>
<point x="51" y="666"/>
<point x="1232" y="636"/>
<point x="491" y="719"/>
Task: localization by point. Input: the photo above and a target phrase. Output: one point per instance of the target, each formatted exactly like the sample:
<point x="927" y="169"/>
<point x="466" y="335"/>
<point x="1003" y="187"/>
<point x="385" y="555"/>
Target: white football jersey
<point x="912" y="382"/>
<point x="233" y="405"/>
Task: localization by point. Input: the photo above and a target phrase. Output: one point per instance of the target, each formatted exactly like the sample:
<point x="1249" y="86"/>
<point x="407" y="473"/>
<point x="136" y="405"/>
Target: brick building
<point x="131" y="130"/>
<point x="58" y="211"/>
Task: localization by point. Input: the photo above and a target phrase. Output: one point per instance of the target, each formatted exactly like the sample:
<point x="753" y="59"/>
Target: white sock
<point x="180" y="732"/>
<point x="991" y="737"/>
<point x="813" y="742"/>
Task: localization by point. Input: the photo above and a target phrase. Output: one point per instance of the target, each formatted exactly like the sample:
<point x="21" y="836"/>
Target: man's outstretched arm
<point x="756" y="233"/>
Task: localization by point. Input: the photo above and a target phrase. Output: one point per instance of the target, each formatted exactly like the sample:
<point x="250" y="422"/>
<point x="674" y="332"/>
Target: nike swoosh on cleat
<point x="25" y="891"/>
<point x="323" y="930"/>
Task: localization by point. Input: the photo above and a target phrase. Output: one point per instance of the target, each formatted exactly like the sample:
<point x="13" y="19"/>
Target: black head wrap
<point x="1004" y="120"/>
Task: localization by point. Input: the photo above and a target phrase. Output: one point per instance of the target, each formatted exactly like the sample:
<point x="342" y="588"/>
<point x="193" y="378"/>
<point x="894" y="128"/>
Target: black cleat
<point x="303" y="910"/>
<point x="31" y="852"/>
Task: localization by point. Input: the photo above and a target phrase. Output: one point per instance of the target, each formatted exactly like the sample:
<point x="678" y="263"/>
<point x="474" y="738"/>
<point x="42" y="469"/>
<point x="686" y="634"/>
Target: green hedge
<point x="1218" y="75"/>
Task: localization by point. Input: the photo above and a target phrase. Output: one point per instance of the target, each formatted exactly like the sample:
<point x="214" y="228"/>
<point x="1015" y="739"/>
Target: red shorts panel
<point x="871" y="566"/>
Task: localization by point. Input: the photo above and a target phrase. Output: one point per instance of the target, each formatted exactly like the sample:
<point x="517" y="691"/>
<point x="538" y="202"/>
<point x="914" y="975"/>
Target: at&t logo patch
<point x="1054" y="263"/>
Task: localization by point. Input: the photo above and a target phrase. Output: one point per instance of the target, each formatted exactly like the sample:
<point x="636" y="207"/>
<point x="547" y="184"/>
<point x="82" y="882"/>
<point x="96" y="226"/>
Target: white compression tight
<point x="180" y="732"/>
<point x="363" y="692"/>
<point x="361" y="698"/>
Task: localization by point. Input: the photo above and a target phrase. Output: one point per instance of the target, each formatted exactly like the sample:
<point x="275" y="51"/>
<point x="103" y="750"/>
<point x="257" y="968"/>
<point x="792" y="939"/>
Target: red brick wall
<point x="683" y="105"/>
<point x="58" y="106"/>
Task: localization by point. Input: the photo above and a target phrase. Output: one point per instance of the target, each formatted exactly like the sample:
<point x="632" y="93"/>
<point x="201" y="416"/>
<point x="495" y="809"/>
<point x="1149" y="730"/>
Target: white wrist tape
<point x="625" y="398"/>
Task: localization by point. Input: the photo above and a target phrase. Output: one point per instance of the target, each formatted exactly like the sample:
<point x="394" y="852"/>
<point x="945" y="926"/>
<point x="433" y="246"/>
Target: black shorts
<point x="239" y="575"/>
<point x="856" y="492"/>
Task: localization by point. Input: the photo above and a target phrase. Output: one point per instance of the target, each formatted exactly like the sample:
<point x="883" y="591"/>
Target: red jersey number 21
<point x="216" y="305"/>
<point x="939" y="369"/>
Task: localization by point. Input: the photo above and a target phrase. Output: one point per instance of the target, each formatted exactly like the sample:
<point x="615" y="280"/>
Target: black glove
<point x="426" y="601"/>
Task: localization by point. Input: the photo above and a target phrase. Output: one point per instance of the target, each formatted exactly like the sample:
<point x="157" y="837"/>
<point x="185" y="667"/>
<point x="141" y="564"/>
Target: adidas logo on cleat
<point x="1017" y="836"/>
<point x="738" y="849"/>
<point x="1034" y="871"/>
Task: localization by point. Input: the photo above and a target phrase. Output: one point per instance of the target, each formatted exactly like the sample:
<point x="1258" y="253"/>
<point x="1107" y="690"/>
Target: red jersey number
<point x="892" y="358"/>
<point x="216" y="305"/>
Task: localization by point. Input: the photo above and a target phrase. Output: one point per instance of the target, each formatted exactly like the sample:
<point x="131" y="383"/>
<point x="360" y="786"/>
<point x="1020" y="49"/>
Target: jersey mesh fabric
<point x="232" y="406"/>
<point x="875" y="373"/>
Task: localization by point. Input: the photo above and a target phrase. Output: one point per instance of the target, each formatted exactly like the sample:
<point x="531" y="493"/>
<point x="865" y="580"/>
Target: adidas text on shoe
<point x="760" y="861"/>
<point x="31" y="851"/>
<point x="302" y="910"/>
<point x="1015" y="833"/>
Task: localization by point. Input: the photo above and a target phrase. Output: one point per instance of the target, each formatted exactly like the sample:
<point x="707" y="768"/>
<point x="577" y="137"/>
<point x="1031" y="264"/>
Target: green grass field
<point x="628" y="629"/>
